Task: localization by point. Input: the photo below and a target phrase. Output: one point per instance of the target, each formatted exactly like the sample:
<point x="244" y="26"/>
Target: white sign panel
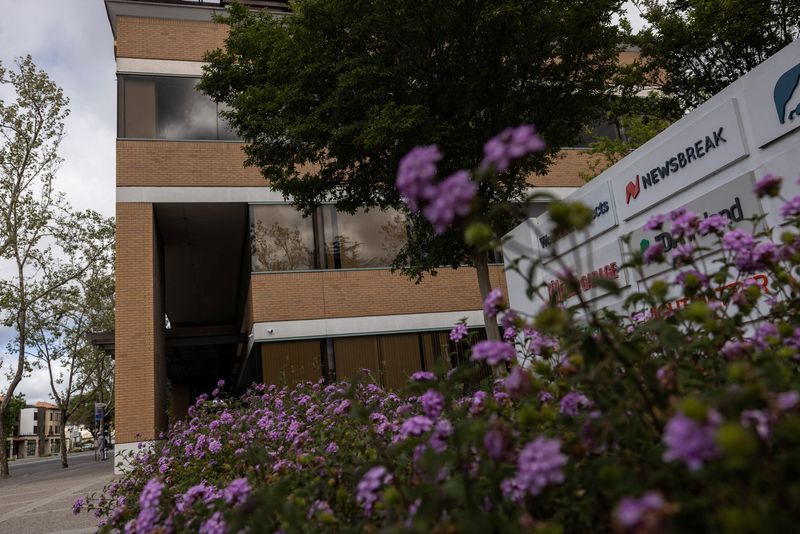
<point x="597" y="196"/>
<point x="703" y="147"/>
<point x="733" y="200"/>
<point x="605" y="262"/>
<point x="773" y="102"/>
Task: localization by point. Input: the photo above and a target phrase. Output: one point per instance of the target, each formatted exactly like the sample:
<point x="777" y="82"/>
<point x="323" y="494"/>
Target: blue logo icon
<point x="783" y="92"/>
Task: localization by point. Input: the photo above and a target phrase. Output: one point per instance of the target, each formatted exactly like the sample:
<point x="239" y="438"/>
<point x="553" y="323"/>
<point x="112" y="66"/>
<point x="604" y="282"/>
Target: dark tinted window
<point x="281" y="239"/>
<point x="365" y="239"/>
<point x="168" y="107"/>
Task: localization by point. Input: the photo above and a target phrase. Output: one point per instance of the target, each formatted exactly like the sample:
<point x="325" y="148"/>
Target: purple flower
<point x="421" y="376"/>
<point x="476" y="402"/>
<point x="458" y="332"/>
<point x="148" y="505"/>
<point x="492" y="352"/>
<point x="734" y="349"/>
<point x="453" y="198"/>
<point x="630" y="511"/>
<point x="787" y="400"/>
<point x="518" y="382"/>
<point x="332" y="448"/>
<point x="414" y="426"/>
<point x="432" y="403"/>
<point x="318" y="508"/>
<point x="545" y="396"/>
<point x="510" y="144"/>
<point x="367" y="490"/>
<point x="791" y="208"/>
<point x="656" y="222"/>
<point x="214" y="446"/>
<point x="540" y="463"/>
<point x="691" y="278"/>
<point x="214" y="525"/>
<point x="715" y="223"/>
<point x="685" y="224"/>
<point x="416" y="173"/>
<point x="690" y="441"/>
<point x="757" y="418"/>
<point x="654" y="253"/>
<point x="237" y="491"/>
<point x="573" y="402"/>
<point x="683" y="253"/>
<point x="441" y="431"/>
<point x="737" y="240"/>
<point x="78" y="505"/>
<point x="492" y="303"/>
<point x="509" y="333"/>
<point x="495" y="443"/>
<point x="765" y="333"/>
<point x="539" y="342"/>
<point x="769" y="185"/>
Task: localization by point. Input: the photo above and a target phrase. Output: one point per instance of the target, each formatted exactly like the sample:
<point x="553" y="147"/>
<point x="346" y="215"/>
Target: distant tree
<point x="59" y="335"/>
<point x="331" y="97"/>
<point x="692" y="49"/>
<point x="43" y="242"/>
<point x="11" y="417"/>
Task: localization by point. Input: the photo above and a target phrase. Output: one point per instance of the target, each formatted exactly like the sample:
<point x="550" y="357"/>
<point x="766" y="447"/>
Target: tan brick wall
<point x="329" y="294"/>
<point x="184" y="163"/>
<point x="140" y="361"/>
<point x="565" y="171"/>
<point x="184" y="40"/>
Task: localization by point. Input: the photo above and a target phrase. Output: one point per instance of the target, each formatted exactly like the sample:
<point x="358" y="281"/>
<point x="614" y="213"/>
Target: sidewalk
<point x="38" y="496"/>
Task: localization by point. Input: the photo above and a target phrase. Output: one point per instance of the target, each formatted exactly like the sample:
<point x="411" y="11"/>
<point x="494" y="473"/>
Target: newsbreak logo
<point x="632" y="190"/>
<point x="784" y="89"/>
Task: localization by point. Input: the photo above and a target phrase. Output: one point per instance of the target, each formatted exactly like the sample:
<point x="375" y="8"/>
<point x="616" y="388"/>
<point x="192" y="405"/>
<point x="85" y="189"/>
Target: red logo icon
<point x="632" y="190"/>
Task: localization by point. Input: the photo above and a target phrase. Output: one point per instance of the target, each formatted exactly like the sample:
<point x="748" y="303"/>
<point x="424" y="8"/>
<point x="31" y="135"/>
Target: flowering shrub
<point x="675" y="412"/>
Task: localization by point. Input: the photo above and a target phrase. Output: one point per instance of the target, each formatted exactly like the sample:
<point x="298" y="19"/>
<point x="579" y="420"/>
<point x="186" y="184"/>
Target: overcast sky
<point x="72" y="41"/>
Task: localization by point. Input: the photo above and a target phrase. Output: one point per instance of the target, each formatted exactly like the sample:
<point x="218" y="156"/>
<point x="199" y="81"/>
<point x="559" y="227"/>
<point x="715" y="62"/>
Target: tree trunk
<point x="481" y="261"/>
<point x="64" y="463"/>
<point x="3" y="445"/>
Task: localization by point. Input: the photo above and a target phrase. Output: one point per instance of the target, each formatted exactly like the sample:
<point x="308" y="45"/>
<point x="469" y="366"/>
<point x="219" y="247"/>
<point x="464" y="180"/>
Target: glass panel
<point x="224" y="130"/>
<point x="183" y="112"/>
<point x="281" y="239"/>
<point x="139" y="115"/>
<point x="364" y="239"/>
<point x="169" y="107"/>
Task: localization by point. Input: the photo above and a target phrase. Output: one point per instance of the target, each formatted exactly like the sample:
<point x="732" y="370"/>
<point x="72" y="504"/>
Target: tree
<point x="59" y="335"/>
<point x="692" y="49"/>
<point x="330" y="98"/>
<point x="43" y="242"/>
<point x="11" y="417"/>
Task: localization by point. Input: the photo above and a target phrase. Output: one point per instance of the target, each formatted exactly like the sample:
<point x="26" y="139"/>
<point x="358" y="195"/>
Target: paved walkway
<point x="38" y="496"/>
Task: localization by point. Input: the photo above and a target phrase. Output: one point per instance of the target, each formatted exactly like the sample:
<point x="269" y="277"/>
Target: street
<point x="38" y="496"/>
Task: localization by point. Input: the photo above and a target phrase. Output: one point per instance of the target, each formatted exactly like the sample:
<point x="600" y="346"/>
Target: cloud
<point x="71" y="40"/>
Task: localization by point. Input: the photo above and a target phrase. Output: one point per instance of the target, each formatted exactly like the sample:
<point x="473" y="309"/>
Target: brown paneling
<point x="328" y="294"/>
<point x="291" y="362"/>
<point x="355" y="353"/>
<point x="401" y="357"/>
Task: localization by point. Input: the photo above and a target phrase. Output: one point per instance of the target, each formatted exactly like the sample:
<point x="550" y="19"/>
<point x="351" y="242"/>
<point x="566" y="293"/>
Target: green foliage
<point x="11" y="416"/>
<point x="692" y="49"/>
<point x="330" y="98"/>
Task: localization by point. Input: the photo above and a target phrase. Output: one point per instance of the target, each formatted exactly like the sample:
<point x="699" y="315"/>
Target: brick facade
<point x="360" y="293"/>
<point x="184" y="163"/>
<point x="183" y="40"/>
<point x="140" y="362"/>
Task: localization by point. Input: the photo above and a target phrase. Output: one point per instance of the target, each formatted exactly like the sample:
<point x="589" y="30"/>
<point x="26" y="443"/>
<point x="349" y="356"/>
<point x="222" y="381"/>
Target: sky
<point x="72" y="41"/>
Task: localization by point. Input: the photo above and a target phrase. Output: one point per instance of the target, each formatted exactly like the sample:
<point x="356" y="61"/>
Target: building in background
<point x="218" y="277"/>
<point x="37" y="432"/>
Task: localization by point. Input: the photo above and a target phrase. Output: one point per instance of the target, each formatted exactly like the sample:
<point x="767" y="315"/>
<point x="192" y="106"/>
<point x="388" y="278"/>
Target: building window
<point x="31" y="447"/>
<point x="55" y="446"/>
<point x="168" y="107"/>
<point x="283" y="240"/>
<point x="35" y="429"/>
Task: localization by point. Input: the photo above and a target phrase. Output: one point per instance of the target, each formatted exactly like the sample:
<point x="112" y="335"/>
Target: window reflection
<point x="281" y="239"/>
<point x="169" y="107"/>
<point x="365" y="239"/>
